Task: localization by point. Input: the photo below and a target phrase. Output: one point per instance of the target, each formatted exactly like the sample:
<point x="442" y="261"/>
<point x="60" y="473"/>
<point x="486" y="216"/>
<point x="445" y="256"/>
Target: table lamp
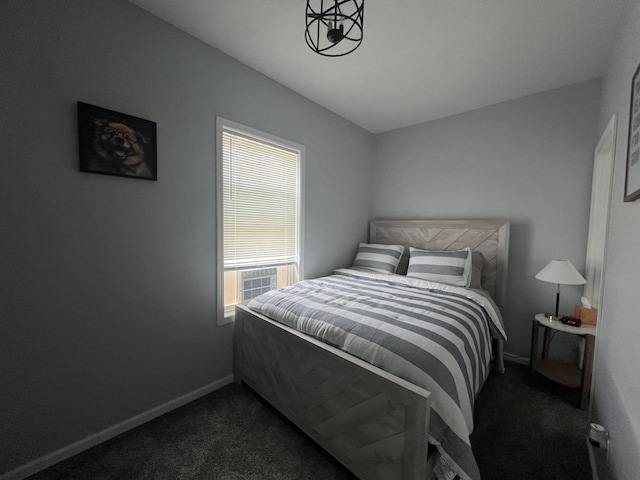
<point x="560" y="272"/>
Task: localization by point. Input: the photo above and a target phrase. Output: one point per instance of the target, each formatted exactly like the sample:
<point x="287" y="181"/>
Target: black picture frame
<point x="114" y="143"/>
<point x="632" y="173"/>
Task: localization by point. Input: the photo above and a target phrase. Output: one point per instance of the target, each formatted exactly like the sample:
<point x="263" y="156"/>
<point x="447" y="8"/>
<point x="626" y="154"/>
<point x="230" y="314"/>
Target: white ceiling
<point x="420" y="59"/>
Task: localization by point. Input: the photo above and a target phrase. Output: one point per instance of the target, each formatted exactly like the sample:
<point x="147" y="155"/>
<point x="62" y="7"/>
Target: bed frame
<point x="373" y="422"/>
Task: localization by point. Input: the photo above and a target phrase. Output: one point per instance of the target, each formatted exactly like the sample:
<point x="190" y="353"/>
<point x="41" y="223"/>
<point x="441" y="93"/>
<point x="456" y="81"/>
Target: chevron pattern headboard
<point x="489" y="237"/>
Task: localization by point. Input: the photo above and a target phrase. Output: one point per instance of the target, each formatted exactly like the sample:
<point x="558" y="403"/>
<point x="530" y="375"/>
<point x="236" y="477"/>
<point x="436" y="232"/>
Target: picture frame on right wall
<point x="632" y="175"/>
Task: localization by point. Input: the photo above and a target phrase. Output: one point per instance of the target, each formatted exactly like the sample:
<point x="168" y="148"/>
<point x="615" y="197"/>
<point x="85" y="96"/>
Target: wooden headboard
<point x="489" y="237"/>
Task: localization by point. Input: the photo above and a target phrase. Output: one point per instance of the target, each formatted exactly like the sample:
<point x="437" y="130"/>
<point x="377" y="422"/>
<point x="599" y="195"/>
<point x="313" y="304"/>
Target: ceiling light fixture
<point x="334" y="27"/>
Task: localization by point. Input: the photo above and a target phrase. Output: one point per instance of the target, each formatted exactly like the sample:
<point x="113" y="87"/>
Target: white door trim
<point x="601" y="191"/>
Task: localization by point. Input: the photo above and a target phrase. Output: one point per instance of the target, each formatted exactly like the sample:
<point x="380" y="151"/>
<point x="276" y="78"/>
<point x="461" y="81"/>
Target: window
<point x="259" y="185"/>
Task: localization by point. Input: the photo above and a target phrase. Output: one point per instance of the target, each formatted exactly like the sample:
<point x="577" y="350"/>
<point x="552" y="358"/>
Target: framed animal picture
<point x="114" y="143"/>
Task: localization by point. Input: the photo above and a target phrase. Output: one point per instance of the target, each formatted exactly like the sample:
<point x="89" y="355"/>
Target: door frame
<point x="606" y="149"/>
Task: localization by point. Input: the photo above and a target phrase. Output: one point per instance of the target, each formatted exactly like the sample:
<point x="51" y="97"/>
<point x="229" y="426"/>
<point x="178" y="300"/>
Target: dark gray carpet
<point x="529" y="433"/>
<point x="521" y="433"/>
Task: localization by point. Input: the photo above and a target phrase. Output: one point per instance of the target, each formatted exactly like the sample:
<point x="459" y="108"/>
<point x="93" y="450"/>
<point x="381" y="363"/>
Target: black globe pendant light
<point x="334" y="27"/>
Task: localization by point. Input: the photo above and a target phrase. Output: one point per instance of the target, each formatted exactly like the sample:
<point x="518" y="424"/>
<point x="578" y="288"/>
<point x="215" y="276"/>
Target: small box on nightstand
<point x="588" y="316"/>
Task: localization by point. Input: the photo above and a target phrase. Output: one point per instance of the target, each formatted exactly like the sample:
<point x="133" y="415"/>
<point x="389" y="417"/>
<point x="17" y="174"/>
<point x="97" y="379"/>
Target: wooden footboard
<point x="374" y="423"/>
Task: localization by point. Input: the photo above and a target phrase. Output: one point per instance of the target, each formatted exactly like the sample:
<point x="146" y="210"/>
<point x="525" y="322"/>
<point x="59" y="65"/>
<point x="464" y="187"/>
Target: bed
<point x="374" y="422"/>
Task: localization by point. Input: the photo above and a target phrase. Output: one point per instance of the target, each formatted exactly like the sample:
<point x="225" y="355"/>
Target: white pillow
<point x="452" y="267"/>
<point x="378" y="258"/>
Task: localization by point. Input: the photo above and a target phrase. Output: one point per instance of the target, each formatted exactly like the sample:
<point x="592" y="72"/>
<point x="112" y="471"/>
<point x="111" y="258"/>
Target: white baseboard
<point x="510" y="357"/>
<point x="52" y="458"/>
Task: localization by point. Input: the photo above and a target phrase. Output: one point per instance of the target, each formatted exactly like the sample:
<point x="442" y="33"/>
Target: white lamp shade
<point x="562" y="272"/>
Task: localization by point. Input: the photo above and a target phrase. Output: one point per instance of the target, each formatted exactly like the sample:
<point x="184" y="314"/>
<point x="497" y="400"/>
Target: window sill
<point x="229" y="317"/>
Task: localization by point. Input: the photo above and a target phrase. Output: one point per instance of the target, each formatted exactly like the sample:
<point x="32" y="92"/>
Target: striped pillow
<point x="378" y="258"/>
<point x="450" y="267"/>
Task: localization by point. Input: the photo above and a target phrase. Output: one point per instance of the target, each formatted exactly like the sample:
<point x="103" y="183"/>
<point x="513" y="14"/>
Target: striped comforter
<point x="435" y="336"/>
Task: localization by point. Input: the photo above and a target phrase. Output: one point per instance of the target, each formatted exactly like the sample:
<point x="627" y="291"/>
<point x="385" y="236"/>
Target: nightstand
<point x="563" y="373"/>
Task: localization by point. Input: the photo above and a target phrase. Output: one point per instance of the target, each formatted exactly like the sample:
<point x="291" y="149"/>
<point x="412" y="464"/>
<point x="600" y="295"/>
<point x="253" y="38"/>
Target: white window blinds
<point x="260" y="202"/>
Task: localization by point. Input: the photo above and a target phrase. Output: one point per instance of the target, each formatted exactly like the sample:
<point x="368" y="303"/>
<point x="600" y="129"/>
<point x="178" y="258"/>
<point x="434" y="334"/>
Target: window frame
<point x="222" y="125"/>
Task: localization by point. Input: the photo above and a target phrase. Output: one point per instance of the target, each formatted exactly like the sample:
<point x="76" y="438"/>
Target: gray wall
<point x="617" y="381"/>
<point x="529" y="160"/>
<point x="107" y="284"/>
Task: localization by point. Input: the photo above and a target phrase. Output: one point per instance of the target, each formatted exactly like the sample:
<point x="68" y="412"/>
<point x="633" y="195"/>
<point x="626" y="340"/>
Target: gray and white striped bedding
<point x="434" y="335"/>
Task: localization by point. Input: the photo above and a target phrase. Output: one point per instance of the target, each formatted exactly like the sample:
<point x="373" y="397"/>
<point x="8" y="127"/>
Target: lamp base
<point x="553" y="316"/>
